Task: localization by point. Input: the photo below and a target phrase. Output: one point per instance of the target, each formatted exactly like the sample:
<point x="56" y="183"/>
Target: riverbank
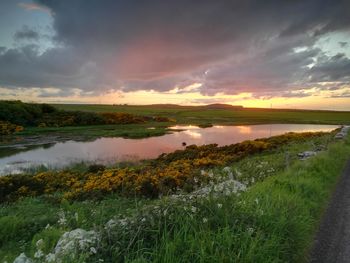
<point x="263" y="207"/>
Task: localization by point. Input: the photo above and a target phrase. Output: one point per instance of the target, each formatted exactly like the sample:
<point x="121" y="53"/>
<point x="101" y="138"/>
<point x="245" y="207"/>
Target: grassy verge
<point x="273" y="221"/>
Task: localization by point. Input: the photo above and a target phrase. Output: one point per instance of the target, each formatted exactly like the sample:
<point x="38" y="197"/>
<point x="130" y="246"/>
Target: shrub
<point x="7" y="128"/>
<point x="95" y="168"/>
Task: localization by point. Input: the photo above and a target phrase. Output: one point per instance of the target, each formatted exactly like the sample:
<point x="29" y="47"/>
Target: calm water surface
<point x="119" y="149"/>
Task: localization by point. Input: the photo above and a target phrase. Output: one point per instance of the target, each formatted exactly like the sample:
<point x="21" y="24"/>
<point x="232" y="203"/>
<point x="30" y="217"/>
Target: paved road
<point x="332" y="242"/>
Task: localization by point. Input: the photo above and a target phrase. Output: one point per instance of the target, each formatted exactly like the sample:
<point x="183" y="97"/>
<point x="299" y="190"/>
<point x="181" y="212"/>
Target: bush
<point x="44" y="115"/>
<point x="7" y="128"/>
<point x="95" y="168"/>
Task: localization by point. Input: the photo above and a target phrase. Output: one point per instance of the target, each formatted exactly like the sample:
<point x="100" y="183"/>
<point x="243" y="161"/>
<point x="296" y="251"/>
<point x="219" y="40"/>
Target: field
<point x="220" y="114"/>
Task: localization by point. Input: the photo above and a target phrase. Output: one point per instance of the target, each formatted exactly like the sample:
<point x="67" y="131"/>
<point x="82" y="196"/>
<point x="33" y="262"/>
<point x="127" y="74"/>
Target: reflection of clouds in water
<point x="193" y="134"/>
<point x="244" y="129"/>
<point x="219" y="127"/>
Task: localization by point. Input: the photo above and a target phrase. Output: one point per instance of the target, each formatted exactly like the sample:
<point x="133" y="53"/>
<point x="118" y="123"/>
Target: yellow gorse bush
<point x="169" y="172"/>
<point x="7" y="128"/>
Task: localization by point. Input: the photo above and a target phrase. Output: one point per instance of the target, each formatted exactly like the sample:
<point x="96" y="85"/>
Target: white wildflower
<point x="39" y="253"/>
<point x="62" y="218"/>
<point x="228" y="171"/>
<point x="93" y="250"/>
<point x="123" y="222"/>
<point x="22" y="258"/>
<point x="76" y="216"/>
<point x="238" y="173"/>
<point x="39" y="243"/>
<point x="250" y="230"/>
<point x="219" y="205"/>
<point x="194" y="209"/>
<point x="50" y="257"/>
<point x="205" y="220"/>
<point x="143" y="219"/>
<point x="77" y="238"/>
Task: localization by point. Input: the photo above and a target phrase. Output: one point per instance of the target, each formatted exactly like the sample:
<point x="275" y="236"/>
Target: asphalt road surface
<point x="332" y="242"/>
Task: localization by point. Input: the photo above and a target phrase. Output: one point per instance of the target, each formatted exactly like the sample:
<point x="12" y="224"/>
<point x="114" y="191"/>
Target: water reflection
<point x="244" y="129"/>
<point x="112" y="149"/>
<point x="193" y="134"/>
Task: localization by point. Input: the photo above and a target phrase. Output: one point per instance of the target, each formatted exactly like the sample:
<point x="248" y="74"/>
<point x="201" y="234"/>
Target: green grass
<point x="93" y="131"/>
<point x="202" y="115"/>
<point x="274" y="221"/>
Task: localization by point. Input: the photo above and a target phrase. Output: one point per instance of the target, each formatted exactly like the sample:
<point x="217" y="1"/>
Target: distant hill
<point x="223" y="106"/>
<point x="209" y="106"/>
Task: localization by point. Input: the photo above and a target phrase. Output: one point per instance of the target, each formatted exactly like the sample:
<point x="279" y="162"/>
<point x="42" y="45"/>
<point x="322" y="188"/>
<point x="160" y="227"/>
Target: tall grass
<point x="273" y="222"/>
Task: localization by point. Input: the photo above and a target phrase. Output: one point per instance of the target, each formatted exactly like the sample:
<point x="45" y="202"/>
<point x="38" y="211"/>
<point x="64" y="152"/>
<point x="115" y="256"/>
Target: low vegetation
<point x="259" y="204"/>
<point x="7" y="128"/>
<point x="19" y="114"/>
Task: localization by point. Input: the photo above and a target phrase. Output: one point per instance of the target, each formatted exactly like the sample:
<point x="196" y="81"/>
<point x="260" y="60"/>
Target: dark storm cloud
<point x="55" y="67"/>
<point x="334" y="68"/>
<point x="26" y="33"/>
<point x="243" y="46"/>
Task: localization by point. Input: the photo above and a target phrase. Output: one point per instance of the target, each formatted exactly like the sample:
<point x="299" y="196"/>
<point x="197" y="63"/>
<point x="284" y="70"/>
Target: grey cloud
<point x="334" y="68"/>
<point x="345" y="94"/>
<point x="210" y="101"/>
<point x="155" y="44"/>
<point x="58" y="67"/>
<point x="343" y="44"/>
<point x="26" y="33"/>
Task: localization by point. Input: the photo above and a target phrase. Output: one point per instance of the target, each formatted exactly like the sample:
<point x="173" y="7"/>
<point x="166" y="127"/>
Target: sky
<point x="272" y="53"/>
